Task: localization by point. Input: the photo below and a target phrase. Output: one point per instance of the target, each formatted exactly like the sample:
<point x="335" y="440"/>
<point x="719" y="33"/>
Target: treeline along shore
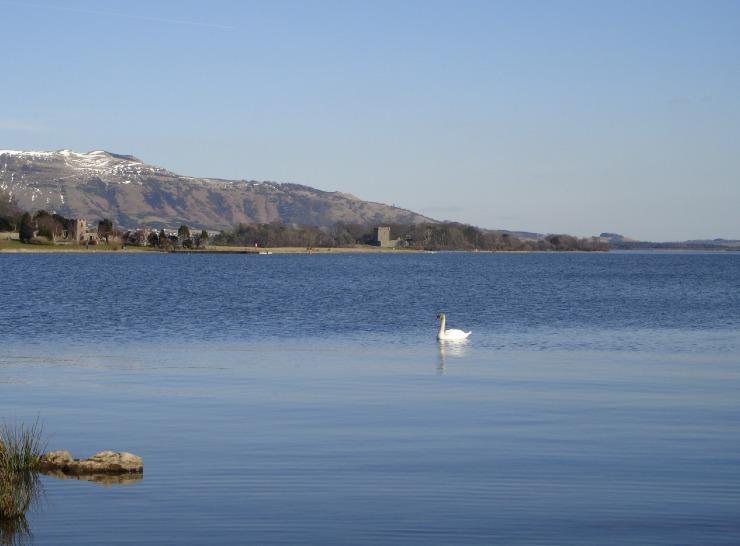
<point x="52" y="229"/>
<point x="426" y="236"/>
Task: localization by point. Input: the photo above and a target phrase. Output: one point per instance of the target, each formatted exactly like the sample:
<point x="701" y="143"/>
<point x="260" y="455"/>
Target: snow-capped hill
<point x="102" y="184"/>
<point x="97" y="162"/>
<point x="96" y="157"/>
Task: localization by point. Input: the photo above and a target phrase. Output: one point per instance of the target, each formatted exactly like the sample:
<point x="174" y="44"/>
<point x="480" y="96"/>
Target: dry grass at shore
<point x="21" y="448"/>
<point x="18" y="247"/>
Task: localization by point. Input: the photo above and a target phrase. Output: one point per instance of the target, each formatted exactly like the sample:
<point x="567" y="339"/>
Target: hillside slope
<point x="132" y="193"/>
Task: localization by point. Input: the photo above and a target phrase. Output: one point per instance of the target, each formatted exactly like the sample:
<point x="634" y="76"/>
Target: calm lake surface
<point x="304" y="400"/>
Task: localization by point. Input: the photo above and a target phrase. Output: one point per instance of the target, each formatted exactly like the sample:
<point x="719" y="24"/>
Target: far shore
<point x="13" y="246"/>
<point x="7" y="246"/>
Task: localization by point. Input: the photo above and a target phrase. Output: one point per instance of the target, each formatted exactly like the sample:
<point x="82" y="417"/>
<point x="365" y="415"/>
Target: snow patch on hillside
<point x="96" y="163"/>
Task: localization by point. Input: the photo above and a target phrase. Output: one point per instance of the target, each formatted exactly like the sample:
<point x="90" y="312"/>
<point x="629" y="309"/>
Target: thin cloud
<point x="123" y="15"/>
<point x="20" y="126"/>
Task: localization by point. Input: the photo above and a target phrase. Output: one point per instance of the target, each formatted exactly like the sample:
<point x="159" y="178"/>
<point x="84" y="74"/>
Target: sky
<point x="556" y="117"/>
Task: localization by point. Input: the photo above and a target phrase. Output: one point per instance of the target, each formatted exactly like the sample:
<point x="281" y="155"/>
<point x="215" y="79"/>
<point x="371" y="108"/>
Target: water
<point x="303" y="399"/>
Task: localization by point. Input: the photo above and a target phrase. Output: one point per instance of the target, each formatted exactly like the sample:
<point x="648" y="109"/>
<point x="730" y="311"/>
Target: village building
<point x="382" y="237"/>
<point x="138" y="237"/>
<point x="80" y="233"/>
<point x="77" y="230"/>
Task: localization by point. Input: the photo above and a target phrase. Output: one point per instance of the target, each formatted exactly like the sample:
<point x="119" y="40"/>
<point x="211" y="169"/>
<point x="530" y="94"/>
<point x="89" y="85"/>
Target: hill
<point x="620" y="242"/>
<point x="132" y="193"/>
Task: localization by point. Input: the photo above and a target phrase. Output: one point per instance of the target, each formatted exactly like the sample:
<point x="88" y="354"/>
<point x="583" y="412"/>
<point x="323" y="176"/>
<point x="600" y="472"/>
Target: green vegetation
<point x="456" y="236"/>
<point x="15" y="532"/>
<point x="153" y="239"/>
<point x="277" y="235"/>
<point x="21" y="448"/>
<point x="10" y="214"/>
<point x="429" y="236"/>
<point x="25" y="229"/>
<point x="105" y="228"/>
<point x="46" y="225"/>
<point x="50" y="225"/>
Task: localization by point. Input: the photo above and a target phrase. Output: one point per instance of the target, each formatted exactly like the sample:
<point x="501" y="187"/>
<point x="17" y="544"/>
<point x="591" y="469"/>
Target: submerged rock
<point x="104" y="462"/>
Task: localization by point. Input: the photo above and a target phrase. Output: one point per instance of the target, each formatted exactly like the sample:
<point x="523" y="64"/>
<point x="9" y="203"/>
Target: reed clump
<point x="15" y="532"/>
<point x="21" y="448"/>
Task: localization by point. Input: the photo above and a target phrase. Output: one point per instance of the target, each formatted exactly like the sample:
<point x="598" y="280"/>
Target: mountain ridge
<point x="101" y="184"/>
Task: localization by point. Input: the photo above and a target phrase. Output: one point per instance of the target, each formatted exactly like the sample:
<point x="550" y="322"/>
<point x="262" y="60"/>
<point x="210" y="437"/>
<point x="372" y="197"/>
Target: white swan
<point x="449" y="334"/>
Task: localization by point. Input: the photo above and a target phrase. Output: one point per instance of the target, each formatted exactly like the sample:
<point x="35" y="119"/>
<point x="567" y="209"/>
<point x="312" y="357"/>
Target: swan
<point x="449" y="334"/>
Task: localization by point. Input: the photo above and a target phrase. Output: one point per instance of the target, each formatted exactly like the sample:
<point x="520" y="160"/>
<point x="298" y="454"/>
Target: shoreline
<point x="18" y="248"/>
<point x="62" y="249"/>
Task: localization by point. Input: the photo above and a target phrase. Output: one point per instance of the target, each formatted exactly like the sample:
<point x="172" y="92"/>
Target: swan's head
<point x="440" y="316"/>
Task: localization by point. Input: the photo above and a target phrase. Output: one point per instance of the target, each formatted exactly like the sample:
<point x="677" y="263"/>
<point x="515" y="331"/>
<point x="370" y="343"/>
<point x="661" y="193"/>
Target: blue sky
<point x="575" y="117"/>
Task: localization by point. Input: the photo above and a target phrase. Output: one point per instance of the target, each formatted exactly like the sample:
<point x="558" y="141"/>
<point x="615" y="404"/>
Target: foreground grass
<point x="21" y="448"/>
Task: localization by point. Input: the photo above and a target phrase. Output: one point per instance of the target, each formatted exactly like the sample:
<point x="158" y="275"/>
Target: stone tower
<point x="77" y="229"/>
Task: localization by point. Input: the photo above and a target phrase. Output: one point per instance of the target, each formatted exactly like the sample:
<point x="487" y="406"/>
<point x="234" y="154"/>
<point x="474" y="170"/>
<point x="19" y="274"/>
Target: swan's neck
<point x="441" y="326"/>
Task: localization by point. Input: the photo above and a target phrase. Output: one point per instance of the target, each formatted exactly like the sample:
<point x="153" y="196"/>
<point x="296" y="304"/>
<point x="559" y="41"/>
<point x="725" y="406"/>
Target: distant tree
<point x="46" y="225"/>
<point x="183" y="232"/>
<point x="430" y="236"/>
<point x="105" y="229"/>
<point x="10" y="214"/>
<point x="200" y="239"/>
<point x="26" y="228"/>
<point x="64" y="222"/>
<point x="153" y="239"/>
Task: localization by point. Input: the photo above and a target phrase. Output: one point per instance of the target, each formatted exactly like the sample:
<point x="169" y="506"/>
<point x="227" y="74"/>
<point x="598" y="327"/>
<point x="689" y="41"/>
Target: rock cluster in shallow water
<point x="104" y="462"/>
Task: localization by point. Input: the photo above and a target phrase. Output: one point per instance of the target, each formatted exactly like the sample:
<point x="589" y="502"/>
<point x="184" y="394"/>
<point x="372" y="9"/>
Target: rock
<point x="57" y="458"/>
<point x="104" y="462"/>
<point x="113" y="461"/>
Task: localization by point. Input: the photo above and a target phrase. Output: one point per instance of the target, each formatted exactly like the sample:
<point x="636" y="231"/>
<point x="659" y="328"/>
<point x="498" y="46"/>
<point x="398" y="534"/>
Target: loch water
<point x="303" y="399"/>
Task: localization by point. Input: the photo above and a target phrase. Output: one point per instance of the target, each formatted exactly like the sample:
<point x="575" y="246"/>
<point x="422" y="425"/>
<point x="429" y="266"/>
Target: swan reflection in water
<point x="450" y="348"/>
